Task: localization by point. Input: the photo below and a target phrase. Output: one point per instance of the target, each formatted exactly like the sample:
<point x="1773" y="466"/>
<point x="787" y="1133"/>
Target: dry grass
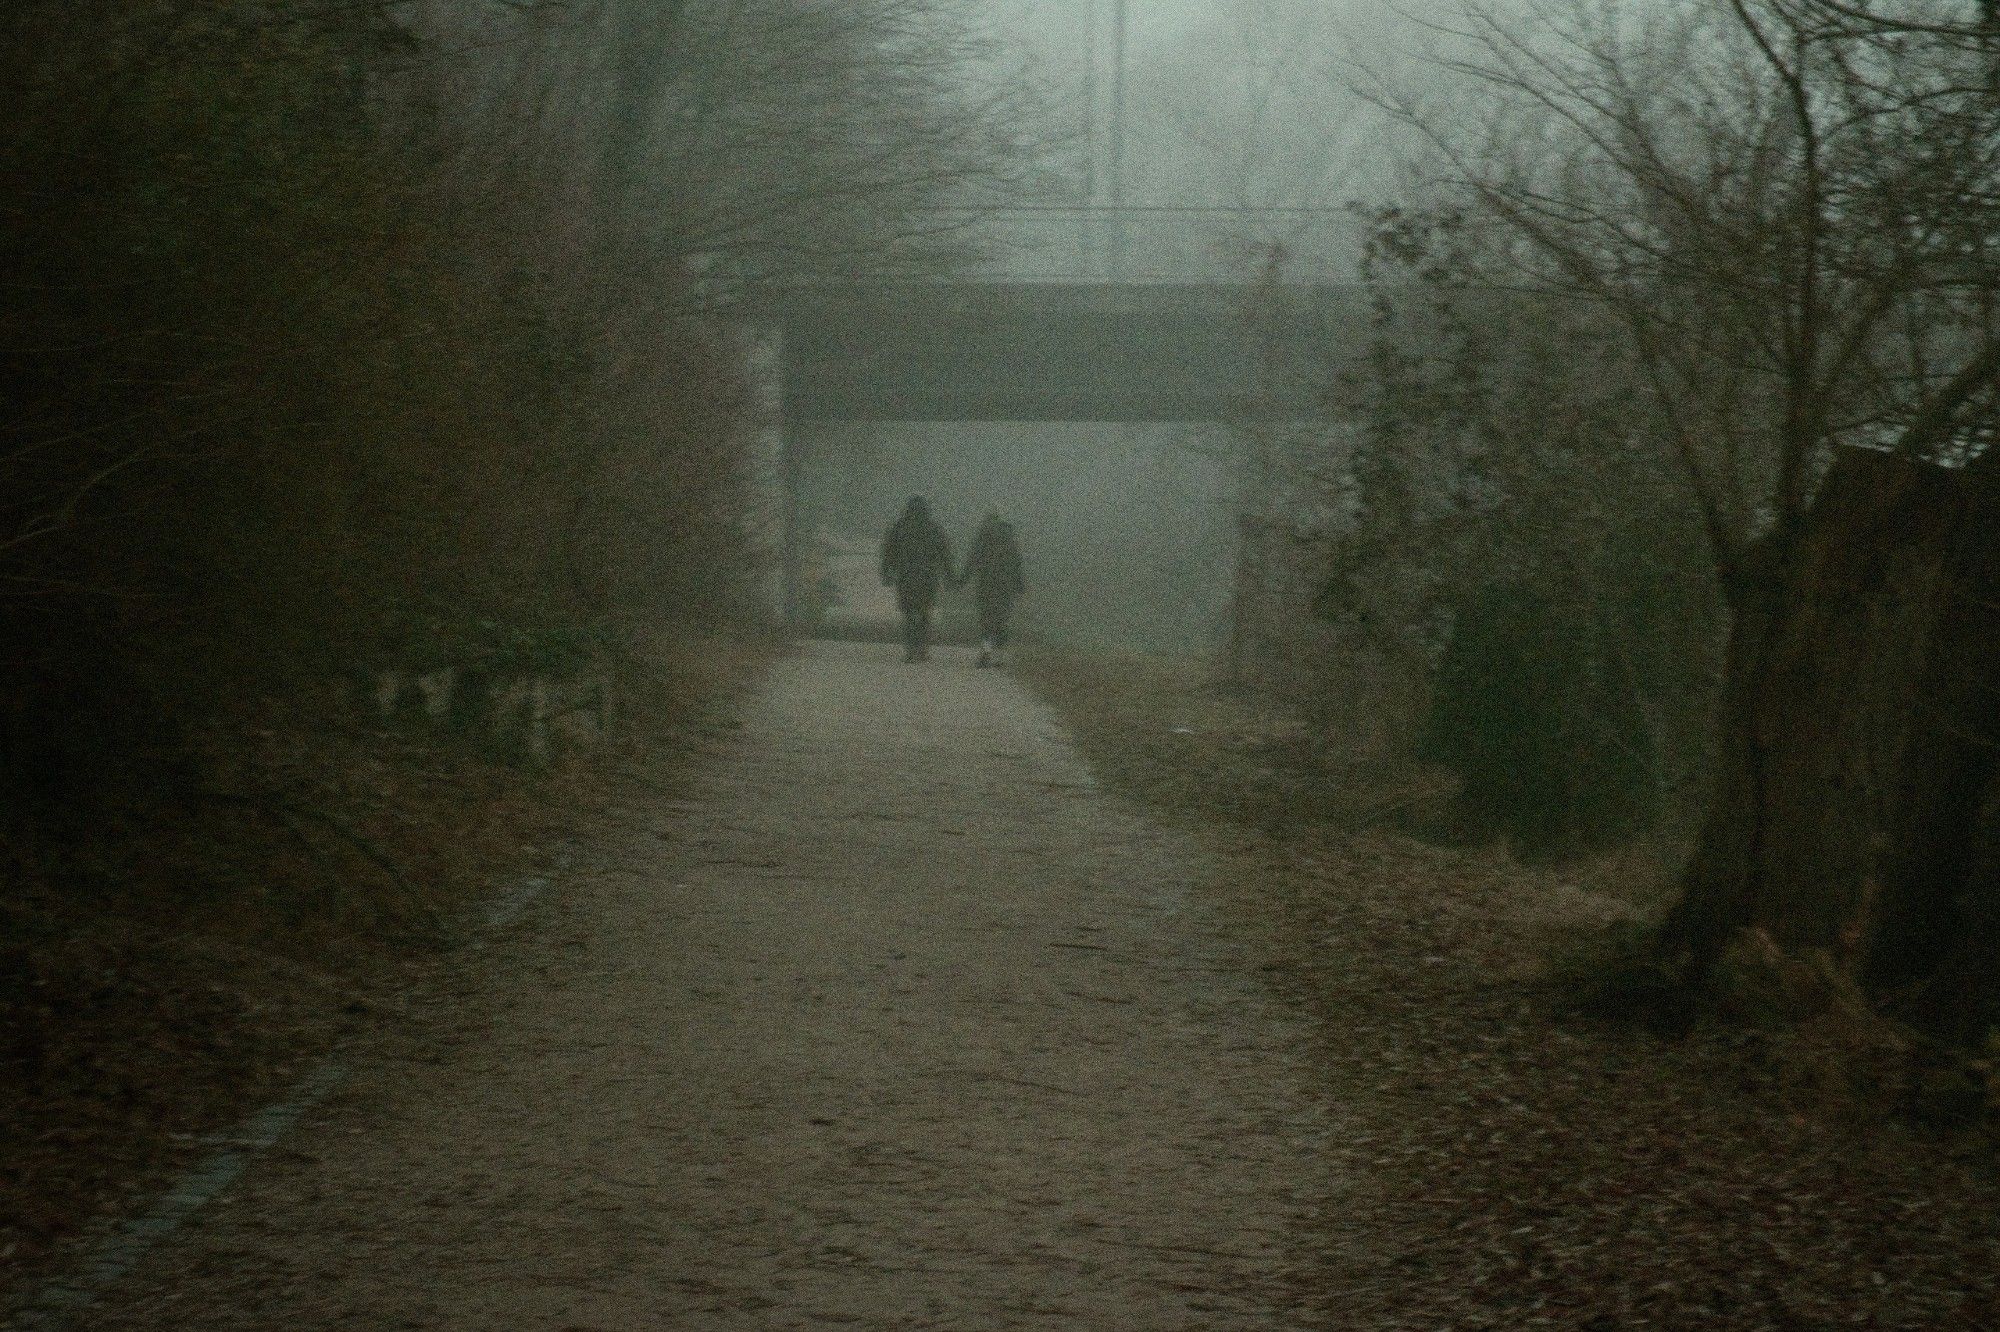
<point x="1199" y="748"/>
<point x="1515" y="1164"/>
<point x="192" y="955"/>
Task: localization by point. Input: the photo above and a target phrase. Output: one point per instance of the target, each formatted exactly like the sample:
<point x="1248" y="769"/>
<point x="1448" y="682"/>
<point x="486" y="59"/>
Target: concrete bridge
<point x="949" y="352"/>
<point x="1057" y="352"/>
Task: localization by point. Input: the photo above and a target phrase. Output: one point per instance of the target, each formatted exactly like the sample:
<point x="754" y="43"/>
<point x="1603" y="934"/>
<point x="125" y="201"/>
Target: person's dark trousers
<point x="916" y="627"/>
<point x="993" y="617"/>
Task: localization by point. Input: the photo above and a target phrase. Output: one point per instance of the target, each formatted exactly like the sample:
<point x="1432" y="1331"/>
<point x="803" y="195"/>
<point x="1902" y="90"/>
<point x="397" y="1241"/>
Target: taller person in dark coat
<point x="916" y="561"/>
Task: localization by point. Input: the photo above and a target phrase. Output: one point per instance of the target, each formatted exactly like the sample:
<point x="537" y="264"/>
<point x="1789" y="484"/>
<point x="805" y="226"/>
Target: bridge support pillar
<point x="767" y="360"/>
<point x="791" y="534"/>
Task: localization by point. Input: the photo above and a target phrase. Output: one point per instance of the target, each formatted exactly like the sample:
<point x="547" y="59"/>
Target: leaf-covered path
<point x="1508" y="1161"/>
<point x="895" y="1021"/>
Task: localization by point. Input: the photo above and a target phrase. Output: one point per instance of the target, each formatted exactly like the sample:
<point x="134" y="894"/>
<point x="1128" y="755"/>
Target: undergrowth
<point x="187" y="950"/>
<point x="1529" y="1134"/>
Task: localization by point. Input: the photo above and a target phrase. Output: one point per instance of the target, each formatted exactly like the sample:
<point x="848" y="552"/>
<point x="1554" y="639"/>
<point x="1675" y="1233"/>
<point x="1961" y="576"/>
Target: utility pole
<point x="1120" y="35"/>
<point x="1089" y="241"/>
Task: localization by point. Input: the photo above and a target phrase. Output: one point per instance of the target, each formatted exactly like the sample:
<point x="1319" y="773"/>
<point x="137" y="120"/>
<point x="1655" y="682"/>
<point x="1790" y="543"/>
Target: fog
<point x="1512" y="841"/>
<point x="1125" y="530"/>
<point x="1244" y="149"/>
<point x="1246" y="112"/>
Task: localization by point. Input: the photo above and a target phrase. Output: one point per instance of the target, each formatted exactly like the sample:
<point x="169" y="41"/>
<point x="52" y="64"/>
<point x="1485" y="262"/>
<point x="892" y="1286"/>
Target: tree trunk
<point x="1853" y="809"/>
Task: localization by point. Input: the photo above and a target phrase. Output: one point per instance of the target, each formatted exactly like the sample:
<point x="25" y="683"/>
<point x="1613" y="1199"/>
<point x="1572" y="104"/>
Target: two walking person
<point x="916" y="561"/>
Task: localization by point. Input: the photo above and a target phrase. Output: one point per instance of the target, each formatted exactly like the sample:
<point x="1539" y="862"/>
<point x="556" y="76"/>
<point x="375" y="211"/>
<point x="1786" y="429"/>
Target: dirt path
<point x="900" y="1022"/>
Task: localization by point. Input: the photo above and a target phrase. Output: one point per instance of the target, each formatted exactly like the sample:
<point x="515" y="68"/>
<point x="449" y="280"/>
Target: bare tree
<point x="781" y="139"/>
<point x="324" y="318"/>
<point x="1786" y="207"/>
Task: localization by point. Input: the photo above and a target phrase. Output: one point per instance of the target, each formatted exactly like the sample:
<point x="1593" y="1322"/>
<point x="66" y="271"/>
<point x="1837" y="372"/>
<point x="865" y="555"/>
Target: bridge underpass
<point x="951" y="353"/>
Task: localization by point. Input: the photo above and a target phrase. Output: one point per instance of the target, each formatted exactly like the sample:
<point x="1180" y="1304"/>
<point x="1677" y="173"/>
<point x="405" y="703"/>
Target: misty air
<point x="1000" y="664"/>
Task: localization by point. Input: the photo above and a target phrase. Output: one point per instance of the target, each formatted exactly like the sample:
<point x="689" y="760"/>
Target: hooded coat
<point x="993" y="566"/>
<point x="916" y="558"/>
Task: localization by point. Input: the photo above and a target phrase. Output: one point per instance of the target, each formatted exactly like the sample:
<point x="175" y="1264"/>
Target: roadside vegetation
<point x="1663" y="514"/>
<point x="379" y="467"/>
<point x="1515" y="1154"/>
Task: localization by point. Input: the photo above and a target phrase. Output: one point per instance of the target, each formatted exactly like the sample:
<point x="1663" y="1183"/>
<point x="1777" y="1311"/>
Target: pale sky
<point x="1231" y="103"/>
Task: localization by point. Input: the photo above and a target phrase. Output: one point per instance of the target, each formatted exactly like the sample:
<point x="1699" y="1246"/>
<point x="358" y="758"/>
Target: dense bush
<point x="325" y="321"/>
<point x="1541" y="719"/>
<point x="1508" y="579"/>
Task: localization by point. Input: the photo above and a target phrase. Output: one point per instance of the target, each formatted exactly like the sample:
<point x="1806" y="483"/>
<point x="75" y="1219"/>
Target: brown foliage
<point x="336" y="336"/>
<point x="290" y="364"/>
<point x="1506" y="1165"/>
<point x="1781" y="210"/>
